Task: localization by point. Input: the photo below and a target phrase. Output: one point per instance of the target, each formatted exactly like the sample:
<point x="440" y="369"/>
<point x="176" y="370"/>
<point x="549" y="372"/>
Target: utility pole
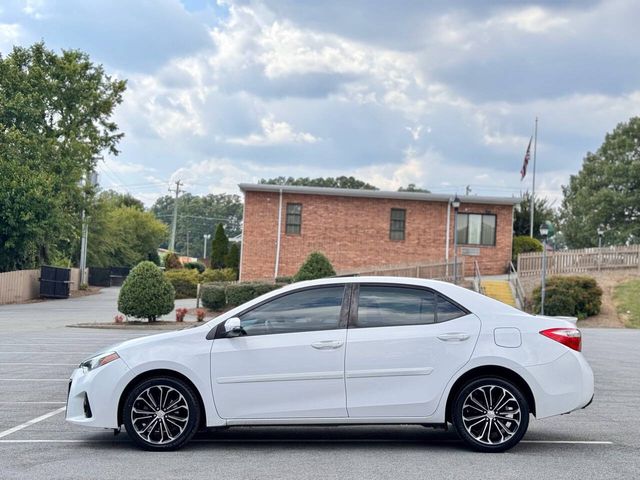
<point x="174" y="223"/>
<point x="90" y="178"/>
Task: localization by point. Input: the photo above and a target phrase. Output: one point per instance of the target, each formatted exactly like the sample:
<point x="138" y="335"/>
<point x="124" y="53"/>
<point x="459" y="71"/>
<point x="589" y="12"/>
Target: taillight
<point x="571" y="337"/>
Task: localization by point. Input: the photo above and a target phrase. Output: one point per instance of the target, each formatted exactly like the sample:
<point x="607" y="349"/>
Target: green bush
<point x="284" y="280"/>
<point x="199" y="266"/>
<point x="232" y="259"/>
<point x="172" y="261"/>
<point x="239" y="293"/>
<point x="218" y="275"/>
<point x="574" y="296"/>
<point x="524" y="244"/>
<point x="315" y="266"/>
<point x="185" y="282"/>
<point x="146" y="293"/>
<point x="213" y="296"/>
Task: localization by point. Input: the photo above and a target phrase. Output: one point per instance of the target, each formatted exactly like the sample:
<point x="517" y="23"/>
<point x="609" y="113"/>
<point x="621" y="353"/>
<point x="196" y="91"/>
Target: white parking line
<point x="31" y="422"/>
<point x="40" y="364"/>
<point x="34" y="379"/>
<point x="32" y="403"/>
<point x="56" y="353"/>
<point x="571" y="442"/>
<point x="251" y="440"/>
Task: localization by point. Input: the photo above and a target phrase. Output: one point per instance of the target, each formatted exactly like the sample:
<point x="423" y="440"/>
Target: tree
<point x="219" y="247"/>
<point x="337" y="182"/>
<point x="146" y="293"/>
<point x="232" y="259"/>
<point x="315" y="266"/>
<point x="606" y="191"/>
<point x="197" y="216"/>
<point x="522" y="216"/>
<point x="55" y="115"/>
<point x="121" y="235"/>
<point x="412" y="188"/>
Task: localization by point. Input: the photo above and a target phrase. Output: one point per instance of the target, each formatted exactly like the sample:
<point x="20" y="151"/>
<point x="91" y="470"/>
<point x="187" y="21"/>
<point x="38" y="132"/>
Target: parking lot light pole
<point x="456" y="206"/>
<point x="206" y="237"/>
<point x="600" y="234"/>
<point x="544" y="231"/>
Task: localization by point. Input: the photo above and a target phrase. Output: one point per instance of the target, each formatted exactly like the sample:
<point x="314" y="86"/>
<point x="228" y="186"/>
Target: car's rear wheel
<point x="490" y="414"/>
<point x="161" y="414"/>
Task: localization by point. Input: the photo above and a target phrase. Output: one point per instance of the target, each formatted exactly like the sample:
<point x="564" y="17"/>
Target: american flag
<point x="523" y="170"/>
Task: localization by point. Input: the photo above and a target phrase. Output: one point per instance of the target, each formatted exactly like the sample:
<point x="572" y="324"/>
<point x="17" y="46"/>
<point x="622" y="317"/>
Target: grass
<point x="627" y="299"/>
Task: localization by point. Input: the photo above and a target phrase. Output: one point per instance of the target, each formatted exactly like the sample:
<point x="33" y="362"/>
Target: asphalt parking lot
<point x="37" y="354"/>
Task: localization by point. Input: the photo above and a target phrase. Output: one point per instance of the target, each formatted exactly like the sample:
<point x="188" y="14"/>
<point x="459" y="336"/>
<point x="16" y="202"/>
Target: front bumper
<point x="94" y="396"/>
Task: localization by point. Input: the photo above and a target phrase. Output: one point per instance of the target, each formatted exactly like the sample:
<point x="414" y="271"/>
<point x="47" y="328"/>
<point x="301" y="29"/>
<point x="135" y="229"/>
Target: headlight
<point x="99" y="361"/>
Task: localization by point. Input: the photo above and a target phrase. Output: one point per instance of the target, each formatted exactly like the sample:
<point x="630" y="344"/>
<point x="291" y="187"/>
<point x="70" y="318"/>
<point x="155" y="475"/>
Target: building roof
<point x="351" y="192"/>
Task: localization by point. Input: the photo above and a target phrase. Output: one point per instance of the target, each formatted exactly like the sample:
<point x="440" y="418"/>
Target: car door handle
<point x="327" y="344"/>
<point x="454" y="337"/>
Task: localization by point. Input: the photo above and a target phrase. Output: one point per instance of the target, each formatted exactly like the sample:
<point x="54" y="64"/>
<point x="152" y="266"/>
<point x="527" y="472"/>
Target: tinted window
<point x="476" y="229"/>
<point x="315" y="309"/>
<point x="383" y="306"/>
<point x="447" y="310"/>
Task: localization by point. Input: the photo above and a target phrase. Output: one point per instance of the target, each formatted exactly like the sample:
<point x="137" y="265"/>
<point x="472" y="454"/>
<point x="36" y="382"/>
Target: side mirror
<point x="232" y="327"/>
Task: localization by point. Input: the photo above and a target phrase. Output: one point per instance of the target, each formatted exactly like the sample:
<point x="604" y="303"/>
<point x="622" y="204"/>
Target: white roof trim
<point x="349" y="192"/>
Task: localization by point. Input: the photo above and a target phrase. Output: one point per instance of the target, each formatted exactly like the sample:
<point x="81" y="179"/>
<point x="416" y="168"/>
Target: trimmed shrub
<point x="574" y="296"/>
<point x="213" y="296"/>
<point x="232" y="259"/>
<point x="185" y="282"/>
<point x="239" y="293"/>
<point x="284" y="280"/>
<point x="199" y="266"/>
<point x="172" y="261"/>
<point x="218" y="275"/>
<point x="219" y="247"/>
<point x="524" y="244"/>
<point x="146" y="293"/>
<point x="315" y="266"/>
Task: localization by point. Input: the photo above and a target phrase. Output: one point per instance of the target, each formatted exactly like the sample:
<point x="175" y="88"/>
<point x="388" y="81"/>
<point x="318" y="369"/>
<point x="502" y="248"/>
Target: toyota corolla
<point x="342" y="351"/>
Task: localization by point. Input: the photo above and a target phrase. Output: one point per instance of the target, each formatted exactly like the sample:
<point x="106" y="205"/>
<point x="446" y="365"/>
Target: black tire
<point x="167" y="432"/>
<point x="505" y="426"/>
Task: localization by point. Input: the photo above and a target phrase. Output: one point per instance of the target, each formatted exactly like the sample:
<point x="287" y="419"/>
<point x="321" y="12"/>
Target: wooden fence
<point x="580" y="261"/>
<point x="22" y="285"/>
<point x="436" y="271"/>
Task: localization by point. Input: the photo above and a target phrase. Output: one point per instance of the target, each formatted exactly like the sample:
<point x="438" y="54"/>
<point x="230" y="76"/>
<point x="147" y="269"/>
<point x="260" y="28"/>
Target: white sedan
<point x="360" y="350"/>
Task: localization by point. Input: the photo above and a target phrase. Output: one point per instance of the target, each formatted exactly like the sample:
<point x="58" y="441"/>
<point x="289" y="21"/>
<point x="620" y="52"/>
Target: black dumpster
<point x="118" y="275"/>
<point x="55" y="282"/>
<point x="100" y="276"/>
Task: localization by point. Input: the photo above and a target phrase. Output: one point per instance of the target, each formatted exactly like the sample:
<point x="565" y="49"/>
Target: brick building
<point x="359" y="229"/>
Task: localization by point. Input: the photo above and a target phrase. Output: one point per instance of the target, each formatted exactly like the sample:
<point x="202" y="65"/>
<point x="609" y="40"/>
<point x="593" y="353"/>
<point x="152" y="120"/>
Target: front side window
<point x="388" y="306"/>
<point x="304" y="311"/>
<point x="476" y="229"/>
<point x="396" y="230"/>
<point x="294" y="218"/>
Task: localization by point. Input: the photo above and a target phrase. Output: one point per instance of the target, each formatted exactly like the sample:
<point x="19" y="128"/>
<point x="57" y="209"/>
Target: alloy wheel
<point x="160" y="414"/>
<point x="491" y="414"/>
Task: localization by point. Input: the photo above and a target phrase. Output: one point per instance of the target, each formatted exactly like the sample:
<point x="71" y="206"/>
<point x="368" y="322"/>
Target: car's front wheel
<point x="490" y="414"/>
<point x="161" y="414"/>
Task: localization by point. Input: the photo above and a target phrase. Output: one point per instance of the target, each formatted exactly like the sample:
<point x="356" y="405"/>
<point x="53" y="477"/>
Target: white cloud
<point x="10" y="34"/>
<point x="274" y="133"/>
<point x="533" y="19"/>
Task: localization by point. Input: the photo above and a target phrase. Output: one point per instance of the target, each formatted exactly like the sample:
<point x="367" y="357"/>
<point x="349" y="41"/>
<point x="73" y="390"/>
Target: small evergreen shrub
<point x="315" y="266"/>
<point x="199" y="266"/>
<point x="524" y="244"/>
<point x="218" y="275"/>
<point x="213" y="296"/>
<point x="185" y="282"/>
<point x="239" y="293"/>
<point x="232" y="259"/>
<point x="219" y="247"/>
<point x="574" y="296"/>
<point x="172" y="261"/>
<point x="146" y="293"/>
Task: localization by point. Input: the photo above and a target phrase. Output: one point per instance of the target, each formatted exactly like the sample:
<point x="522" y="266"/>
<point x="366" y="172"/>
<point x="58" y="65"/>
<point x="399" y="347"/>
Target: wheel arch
<point x="490" y="371"/>
<point x="161" y="373"/>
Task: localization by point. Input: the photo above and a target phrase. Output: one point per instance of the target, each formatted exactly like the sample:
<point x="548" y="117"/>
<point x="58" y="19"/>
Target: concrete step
<point x="499" y="290"/>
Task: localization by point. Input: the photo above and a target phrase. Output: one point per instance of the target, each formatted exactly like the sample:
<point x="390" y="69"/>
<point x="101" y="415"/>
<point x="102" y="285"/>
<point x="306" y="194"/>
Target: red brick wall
<point x="354" y="233"/>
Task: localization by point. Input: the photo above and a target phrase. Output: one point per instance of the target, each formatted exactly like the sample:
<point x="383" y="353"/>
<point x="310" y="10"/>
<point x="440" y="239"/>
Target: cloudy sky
<point x="441" y="94"/>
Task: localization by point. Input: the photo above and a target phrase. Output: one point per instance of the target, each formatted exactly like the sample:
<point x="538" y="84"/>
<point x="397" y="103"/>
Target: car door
<point x="290" y="360"/>
<point x="403" y="346"/>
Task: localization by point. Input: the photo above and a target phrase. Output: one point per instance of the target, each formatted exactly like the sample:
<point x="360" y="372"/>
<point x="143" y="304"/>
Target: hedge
<point x="218" y="275"/>
<point x="217" y="296"/>
<point x="524" y="244"/>
<point x="185" y="282"/>
<point x="199" y="266"/>
<point x="574" y="296"/>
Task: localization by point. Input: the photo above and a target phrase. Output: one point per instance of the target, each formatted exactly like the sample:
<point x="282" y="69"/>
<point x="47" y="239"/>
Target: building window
<point x="396" y="231"/>
<point x="294" y="218"/>
<point x="476" y="229"/>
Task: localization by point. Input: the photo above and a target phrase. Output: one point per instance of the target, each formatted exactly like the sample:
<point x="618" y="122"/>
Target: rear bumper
<point x="563" y="385"/>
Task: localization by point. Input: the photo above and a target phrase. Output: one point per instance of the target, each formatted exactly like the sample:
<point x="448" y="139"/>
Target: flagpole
<point x="532" y="207"/>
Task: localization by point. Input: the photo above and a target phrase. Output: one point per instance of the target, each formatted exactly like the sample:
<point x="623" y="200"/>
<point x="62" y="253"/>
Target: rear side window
<point x="304" y="311"/>
<point x="389" y="306"/>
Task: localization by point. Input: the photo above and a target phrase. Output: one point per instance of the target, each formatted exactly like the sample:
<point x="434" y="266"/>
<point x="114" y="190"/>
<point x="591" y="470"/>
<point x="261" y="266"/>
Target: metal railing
<point x="516" y="287"/>
<point x="477" y="278"/>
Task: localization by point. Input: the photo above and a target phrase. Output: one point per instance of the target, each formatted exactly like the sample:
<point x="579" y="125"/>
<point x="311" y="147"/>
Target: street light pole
<point x="456" y="206"/>
<point x="206" y="237"/>
<point x="544" y="231"/>
<point x="600" y="234"/>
